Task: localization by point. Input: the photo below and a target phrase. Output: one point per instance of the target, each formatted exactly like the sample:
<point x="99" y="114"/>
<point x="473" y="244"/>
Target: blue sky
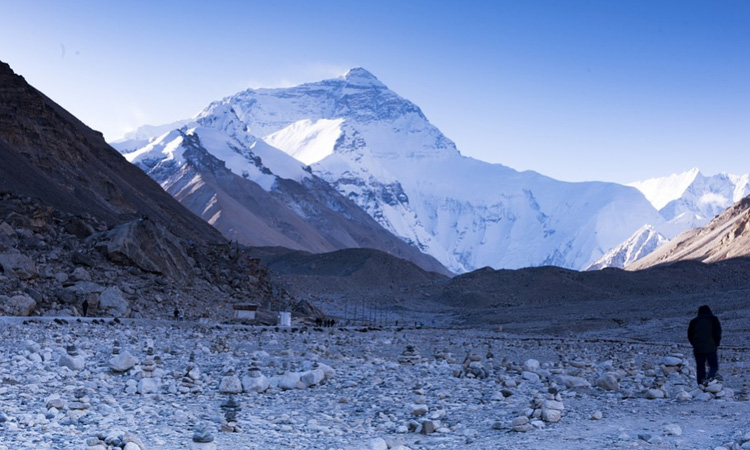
<point x="577" y="90"/>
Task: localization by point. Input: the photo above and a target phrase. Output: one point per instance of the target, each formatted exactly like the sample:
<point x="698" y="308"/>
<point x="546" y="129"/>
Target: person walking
<point x="704" y="334"/>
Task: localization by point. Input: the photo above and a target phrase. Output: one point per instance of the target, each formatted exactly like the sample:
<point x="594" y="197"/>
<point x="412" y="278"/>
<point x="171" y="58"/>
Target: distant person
<point x="85" y="306"/>
<point x="176" y="313"/>
<point x="704" y="334"/>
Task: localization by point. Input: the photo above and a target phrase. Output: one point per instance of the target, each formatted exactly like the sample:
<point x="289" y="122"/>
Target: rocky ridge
<point x="48" y="154"/>
<point x="726" y="236"/>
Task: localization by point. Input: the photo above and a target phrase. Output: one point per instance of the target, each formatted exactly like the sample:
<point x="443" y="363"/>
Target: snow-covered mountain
<point x="258" y="195"/>
<point x="641" y="243"/>
<point x="690" y="199"/>
<point x="726" y="236"/>
<point x="685" y="201"/>
<point x="379" y="150"/>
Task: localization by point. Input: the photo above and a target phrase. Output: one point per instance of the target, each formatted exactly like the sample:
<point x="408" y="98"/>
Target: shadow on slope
<point x="345" y="277"/>
<point x="559" y="301"/>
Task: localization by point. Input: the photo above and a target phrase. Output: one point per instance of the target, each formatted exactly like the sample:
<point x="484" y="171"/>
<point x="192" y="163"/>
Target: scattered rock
<point x="122" y="362"/>
<point x="17" y="305"/>
<point x="112" y="303"/>
<point x="18" y="265"/>
<point x="608" y="382"/>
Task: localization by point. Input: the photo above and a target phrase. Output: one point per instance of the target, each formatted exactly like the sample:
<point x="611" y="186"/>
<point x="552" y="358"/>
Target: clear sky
<point x="618" y="90"/>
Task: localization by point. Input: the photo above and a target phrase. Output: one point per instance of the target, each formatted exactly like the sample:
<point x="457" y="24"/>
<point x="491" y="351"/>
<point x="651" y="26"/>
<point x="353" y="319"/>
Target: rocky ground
<point x="135" y="384"/>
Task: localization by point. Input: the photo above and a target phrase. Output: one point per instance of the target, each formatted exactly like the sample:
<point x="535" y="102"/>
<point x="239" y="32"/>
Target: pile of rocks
<point x="410" y="356"/>
<point x="47" y="262"/>
<point x="115" y="440"/>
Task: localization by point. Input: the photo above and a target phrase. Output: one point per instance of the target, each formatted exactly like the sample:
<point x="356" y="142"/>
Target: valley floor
<point x="459" y="389"/>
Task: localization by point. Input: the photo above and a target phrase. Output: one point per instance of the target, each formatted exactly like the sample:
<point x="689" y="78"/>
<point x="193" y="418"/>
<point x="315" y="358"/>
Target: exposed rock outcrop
<point x="147" y="245"/>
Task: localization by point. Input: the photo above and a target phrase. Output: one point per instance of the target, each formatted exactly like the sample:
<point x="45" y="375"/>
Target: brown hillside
<point x="49" y="154"/>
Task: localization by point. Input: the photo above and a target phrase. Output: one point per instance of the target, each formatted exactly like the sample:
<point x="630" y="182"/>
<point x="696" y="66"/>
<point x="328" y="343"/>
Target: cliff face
<point x="49" y="154"/>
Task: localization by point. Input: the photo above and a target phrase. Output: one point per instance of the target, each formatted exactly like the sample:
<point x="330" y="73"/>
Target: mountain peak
<point x="359" y="76"/>
<point x="661" y="191"/>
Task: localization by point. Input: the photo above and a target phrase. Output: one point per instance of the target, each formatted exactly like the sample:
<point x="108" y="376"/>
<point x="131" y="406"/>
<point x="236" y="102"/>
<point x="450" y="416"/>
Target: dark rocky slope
<point x="80" y="223"/>
<point x="48" y="154"/>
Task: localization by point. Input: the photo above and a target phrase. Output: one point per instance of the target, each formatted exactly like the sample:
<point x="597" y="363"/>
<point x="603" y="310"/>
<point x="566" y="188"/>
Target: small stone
<point x="608" y="382"/>
<point x="673" y="429"/>
<point x="428" y="427"/>
<point x="202" y="446"/>
<point x="570" y="381"/>
<point x="653" y="394"/>
<point x="725" y="393"/>
<point x="80" y="274"/>
<point x="597" y="415"/>
<point x="230" y="384"/>
<point x="419" y="410"/>
<point x="203" y="435"/>
<point x="149" y="386"/>
<point x="377" y="443"/>
<point x="551" y="415"/>
<point x="671" y="361"/>
<point x="531" y="365"/>
<point x="122" y="362"/>
<point x="290" y="381"/>
<point x="520" y="420"/>
<point x="312" y="377"/>
<point x="553" y="404"/>
<point x="73" y="362"/>
<point x="258" y="383"/>
<point x="530" y="376"/>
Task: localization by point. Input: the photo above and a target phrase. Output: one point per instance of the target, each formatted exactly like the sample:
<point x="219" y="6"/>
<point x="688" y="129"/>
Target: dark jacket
<point x="704" y="331"/>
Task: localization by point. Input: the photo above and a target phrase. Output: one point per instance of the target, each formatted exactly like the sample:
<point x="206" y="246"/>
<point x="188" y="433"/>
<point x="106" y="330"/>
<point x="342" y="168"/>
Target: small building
<point x="285" y="319"/>
<point x="244" y="311"/>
